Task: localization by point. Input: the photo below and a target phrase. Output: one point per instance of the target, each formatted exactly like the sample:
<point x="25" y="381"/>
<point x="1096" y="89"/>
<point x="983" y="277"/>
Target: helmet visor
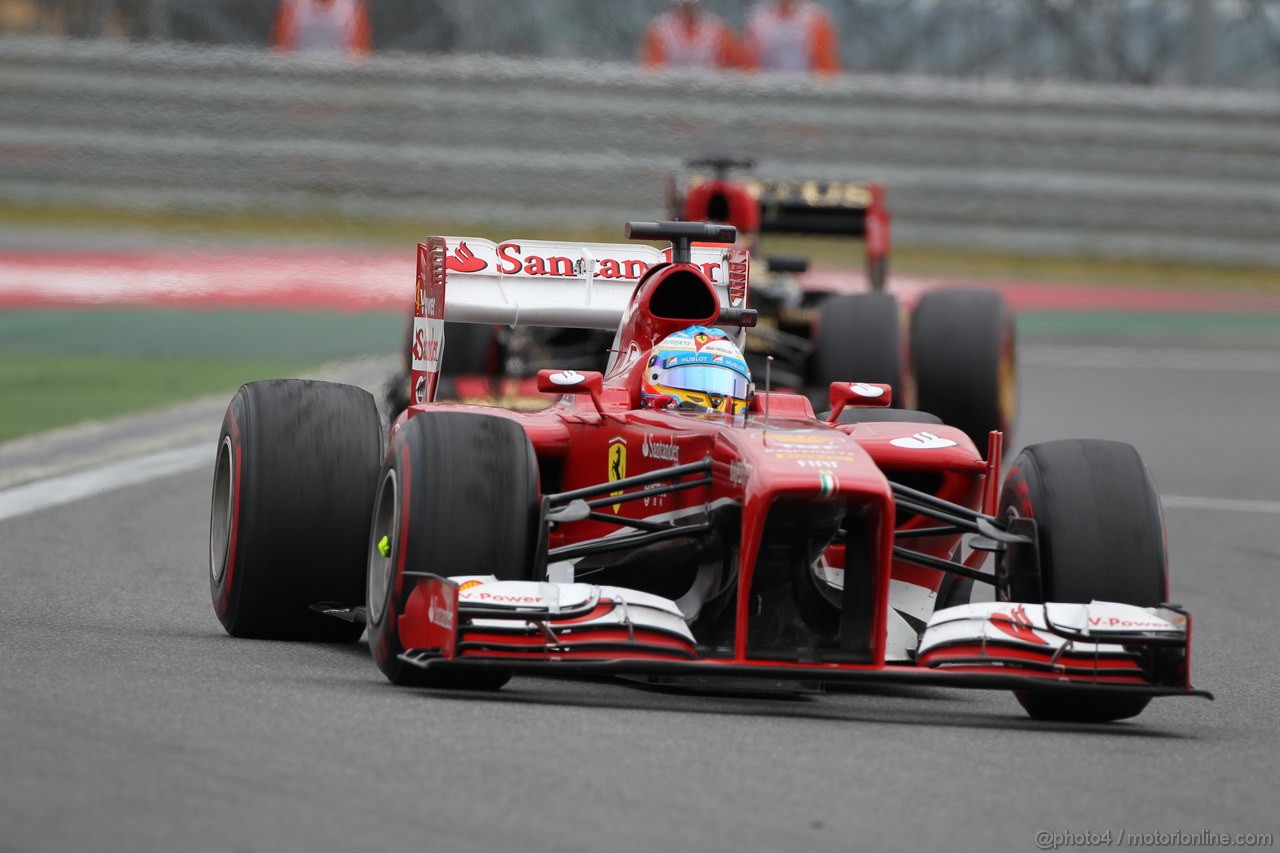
<point x="708" y="378"/>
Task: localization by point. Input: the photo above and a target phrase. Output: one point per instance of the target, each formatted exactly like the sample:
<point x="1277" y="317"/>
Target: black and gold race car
<point x="948" y="351"/>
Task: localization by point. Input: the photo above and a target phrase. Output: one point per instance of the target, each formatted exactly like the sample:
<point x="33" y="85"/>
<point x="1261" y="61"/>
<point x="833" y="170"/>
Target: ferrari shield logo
<point x="617" y="466"/>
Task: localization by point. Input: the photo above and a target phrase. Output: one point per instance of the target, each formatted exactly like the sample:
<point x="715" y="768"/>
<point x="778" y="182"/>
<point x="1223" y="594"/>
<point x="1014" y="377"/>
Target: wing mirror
<point x="858" y="394"/>
<point x="573" y="382"/>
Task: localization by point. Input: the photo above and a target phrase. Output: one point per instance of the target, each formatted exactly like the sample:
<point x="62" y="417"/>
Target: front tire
<point x="1101" y="536"/>
<point x="859" y="415"/>
<point x="964" y="360"/>
<point x="296" y="466"/>
<point x="458" y="494"/>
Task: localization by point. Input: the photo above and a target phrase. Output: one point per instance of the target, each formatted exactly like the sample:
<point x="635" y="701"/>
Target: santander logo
<point x="464" y="260"/>
<point x="655" y="448"/>
<point x="439" y="612"/>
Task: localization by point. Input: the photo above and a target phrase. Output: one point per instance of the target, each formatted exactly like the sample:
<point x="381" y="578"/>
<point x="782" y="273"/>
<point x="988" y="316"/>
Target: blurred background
<point x="194" y="195"/>
<point x="1103" y="143"/>
<point x="1179" y="42"/>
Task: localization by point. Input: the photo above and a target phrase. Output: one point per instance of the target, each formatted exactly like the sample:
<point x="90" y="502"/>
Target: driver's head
<point x="699" y="368"/>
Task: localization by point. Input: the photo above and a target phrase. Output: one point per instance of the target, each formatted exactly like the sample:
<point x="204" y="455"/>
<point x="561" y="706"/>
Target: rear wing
<point x="837" y="208"/>
<point x="540" y="283"/>
<point x="819" y="207"/>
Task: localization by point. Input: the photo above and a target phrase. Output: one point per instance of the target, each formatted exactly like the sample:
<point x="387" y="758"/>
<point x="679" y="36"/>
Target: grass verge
<point x="48" y="391"/>
<point x="59" y="368"/>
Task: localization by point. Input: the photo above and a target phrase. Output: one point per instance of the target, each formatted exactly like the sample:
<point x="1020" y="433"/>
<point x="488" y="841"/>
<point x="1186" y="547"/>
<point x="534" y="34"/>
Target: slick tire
<point x="856" y="415"/>
<point x="857" y="340"/>
<point x="458" y="494"/>
<point x="295" y="470"/>
<point x="964" y="361"/>
<point x="1101" y="536"/>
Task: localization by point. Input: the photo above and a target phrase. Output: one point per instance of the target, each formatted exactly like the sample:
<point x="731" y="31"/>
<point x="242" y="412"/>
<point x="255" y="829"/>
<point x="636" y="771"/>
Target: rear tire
<point x="1101" y="536"/>
<point x="296" y="466"/>
<point x="964" y="360"/>
<point x="457" y="495"/>
<point x="857" y="340"/>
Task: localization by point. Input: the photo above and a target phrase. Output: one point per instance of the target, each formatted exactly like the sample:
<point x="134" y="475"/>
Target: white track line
<point x="55" y="491"/>
<point x="1220" y="504"/>
<point x="1051" y="355"/>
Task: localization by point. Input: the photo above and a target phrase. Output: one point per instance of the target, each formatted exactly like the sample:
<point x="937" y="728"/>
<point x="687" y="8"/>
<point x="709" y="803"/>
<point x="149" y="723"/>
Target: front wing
<point x="580" y="629"/>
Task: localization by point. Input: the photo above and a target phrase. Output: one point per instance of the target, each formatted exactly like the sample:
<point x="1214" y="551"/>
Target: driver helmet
<point x="698" y="367"/>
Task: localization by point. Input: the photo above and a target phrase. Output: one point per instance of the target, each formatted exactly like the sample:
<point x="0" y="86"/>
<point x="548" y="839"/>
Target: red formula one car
<point x="668" y="519"/>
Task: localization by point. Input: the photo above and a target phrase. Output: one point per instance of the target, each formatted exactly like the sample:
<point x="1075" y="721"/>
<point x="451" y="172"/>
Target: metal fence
<point x="1168" y="42"/>
<point x="1155" y="172"/>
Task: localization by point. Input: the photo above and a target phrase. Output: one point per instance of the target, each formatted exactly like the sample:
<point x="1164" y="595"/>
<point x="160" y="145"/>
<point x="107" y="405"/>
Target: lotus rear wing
<point x="835" y="208"/>
<point x="829" y="207"/>
<point x="540" y="283"/>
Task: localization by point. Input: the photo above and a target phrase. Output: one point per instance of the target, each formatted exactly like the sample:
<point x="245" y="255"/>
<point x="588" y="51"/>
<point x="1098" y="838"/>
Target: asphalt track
<point x="130" y="721"/>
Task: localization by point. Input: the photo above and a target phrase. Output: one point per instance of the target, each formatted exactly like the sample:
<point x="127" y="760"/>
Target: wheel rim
<point x="386" y="518"/>
<point x="221" y="514"/>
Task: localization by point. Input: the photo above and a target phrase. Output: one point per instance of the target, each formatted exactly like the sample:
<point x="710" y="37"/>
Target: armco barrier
<point x="1177" y="174"/>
